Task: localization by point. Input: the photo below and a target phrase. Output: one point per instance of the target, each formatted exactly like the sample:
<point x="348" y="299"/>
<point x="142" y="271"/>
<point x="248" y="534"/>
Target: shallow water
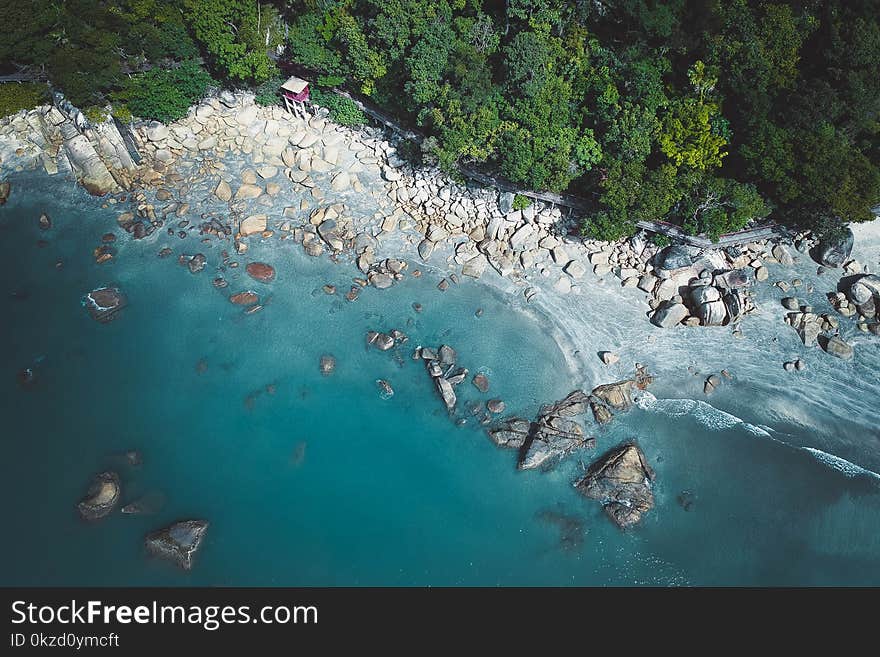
<point x="324" y="482"/>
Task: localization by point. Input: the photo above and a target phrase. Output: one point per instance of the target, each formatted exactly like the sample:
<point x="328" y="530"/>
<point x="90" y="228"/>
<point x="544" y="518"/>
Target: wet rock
<point x="260" y="271"/>
<point x="447" y="355"/>
<point x="782" y="255"/>
<point x="386" y="388"/>
<point x="44" y="222"/>
<point x="621" y="480"/>
<point x="178" y="542"/>
<point x="481" y="382"/>
<point x="197" y="263"/>
<point x="5" y="189"/>
<point x="511" y="433"/>
<point x="495" y="406"/>
<point x="220" y="282"/>
<point x="101" y="498"/>
<point x="600" y="412"/>
<point x="104" y="303"/>
<point x="244" y="298"/>
<point x="608" y="357"/>
<point x="616" y="395"/>
<point x="328" y="364"/>
<point x="838" y="347"/>
<point x="712" y="382"/>
<point x="447" y="394"/>
<point x="223" y="191"/>
<point x="26" y="377"/>
<point x="791" y="303"/>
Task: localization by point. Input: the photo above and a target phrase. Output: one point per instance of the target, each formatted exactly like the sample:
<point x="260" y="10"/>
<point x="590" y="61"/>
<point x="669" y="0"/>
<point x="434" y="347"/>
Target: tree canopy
<point x="704" y="113"/>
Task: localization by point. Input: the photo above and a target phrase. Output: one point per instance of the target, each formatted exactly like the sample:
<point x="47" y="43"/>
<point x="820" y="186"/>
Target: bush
<point x="268" y="93"/>
<point x="96" y="114"/>
<point x="342" y="110"/>
<point x="660" y="240"/>
<point x="16" y="96"/>
<point x="165" y="94"/>
<point x="521" y="202"/>
<point x="121" y="112"/>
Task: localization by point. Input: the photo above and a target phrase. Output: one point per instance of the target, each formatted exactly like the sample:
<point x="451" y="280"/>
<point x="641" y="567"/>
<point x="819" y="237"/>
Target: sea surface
<point x="323" y="480"/>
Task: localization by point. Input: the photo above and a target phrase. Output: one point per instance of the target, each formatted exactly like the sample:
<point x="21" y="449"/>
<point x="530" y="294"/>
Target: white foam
<point x="714" y="418"/>
<point x="842" y="465"/>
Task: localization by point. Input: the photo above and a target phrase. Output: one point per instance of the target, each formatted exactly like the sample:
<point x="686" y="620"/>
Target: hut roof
<point x="295" y="85"/>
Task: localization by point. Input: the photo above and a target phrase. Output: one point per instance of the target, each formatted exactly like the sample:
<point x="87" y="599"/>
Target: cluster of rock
<point x="177" y="542"/>
<point x="59" y="139"/>
<point x="386" y="341"/>
<point x="692" y="292"/>
<point x="862" y="297"/>
<point x="621" y="480"/>
<point x="441" y="366"/>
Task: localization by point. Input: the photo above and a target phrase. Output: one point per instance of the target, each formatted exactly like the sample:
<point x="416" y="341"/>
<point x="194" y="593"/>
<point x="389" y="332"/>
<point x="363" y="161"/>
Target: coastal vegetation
<point x="705" y="114"/>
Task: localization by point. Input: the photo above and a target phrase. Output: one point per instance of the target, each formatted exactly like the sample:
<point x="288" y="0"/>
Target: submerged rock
<point x="44" y="222"/>
<point x="102" y="496"/>
<point x="104" y="303"/>
<point x="5" y="189"/>
<point x="328" y="364"/>
<point x="197" y="263"/>
<point x="481" y="382"/>
<point x="178" y="542"/>
<point x="244" y="298"/>
<point x="621" y="481"/>
<point x="260" y="271"/>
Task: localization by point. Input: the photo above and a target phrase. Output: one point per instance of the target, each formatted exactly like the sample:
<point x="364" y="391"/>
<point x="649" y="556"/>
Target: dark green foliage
<point x="342" y="110"/>
<point x="268" y="93"/>
<point x="704" y="113"/>
<point x="165" y="94"/>
<point x="15" y="96"/>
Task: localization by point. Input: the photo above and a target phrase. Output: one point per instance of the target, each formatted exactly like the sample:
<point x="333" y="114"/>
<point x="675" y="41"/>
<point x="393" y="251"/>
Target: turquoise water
<point x="324" y="482"/>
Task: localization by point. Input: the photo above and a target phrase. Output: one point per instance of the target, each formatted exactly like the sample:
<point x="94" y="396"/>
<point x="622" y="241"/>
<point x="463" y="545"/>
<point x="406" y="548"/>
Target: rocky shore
<point x="232" y="174"/>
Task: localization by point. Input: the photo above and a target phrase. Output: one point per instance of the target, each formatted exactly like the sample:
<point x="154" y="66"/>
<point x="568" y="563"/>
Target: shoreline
<point x="343" y="192"/>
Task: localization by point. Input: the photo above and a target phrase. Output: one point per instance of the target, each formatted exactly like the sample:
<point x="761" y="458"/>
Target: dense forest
<point x="701" y="112"/>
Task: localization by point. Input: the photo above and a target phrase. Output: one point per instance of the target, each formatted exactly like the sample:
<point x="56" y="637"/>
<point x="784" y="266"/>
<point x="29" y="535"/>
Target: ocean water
<point x="313" y="480"/>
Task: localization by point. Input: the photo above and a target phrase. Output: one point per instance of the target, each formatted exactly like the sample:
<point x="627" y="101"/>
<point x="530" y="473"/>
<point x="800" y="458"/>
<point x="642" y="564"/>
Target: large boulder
<point x="616" y="395"/>
<point x="104" y="303"/>
<point x="674" y="257"/>
<point x="866" y="287"/>
<point x="177" y="542"/>
<point x="838" y="347"/>
<point x="834" y="250"/>
<point x="446" y="392"/>
<point x="88" y="167"/>
<point x="102" y="496"/>
<point x="555" y="437"/>
<point x="254" y="224"/>
<point x="669" y="315"/>
<point x="621" y="481"/>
